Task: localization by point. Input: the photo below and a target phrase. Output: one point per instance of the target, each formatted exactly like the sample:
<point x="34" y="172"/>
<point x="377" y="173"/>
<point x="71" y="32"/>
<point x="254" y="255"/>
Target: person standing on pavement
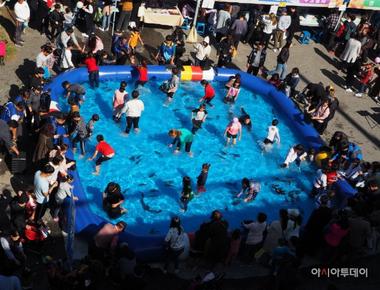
<point x="223" y="22"/>
<point x="202" y="52"/>
<point x="282" y="59"/>
<point x="283" y="24"/>
<point x="89" y="18"/>
<point x="294" y="24"/>
<point x="270" y="23"/>
<point x="349" y="57"/>
<point x="42" y="190"/>
<point x="125" y="15"/>
<point x="239" y="29"/>
<point x="22" y="12"/>
<point x="256" y="59"/>
<point x="7" y="138"/>
<point x="331" y="25"/>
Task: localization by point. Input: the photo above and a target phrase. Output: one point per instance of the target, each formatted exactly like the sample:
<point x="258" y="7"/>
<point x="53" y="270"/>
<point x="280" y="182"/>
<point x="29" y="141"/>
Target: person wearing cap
<point x="234" y="131"/>
<point x="202" y="51"/>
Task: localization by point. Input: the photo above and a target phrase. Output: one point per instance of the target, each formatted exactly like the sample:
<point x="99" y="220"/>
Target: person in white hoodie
<point x="202" y="51"/>
<point x="22" y="13"/>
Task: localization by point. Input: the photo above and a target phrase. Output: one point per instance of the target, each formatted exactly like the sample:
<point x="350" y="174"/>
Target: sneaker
<point x="102" y="29"/>
<point x="84" y="35"/>
<point x="344" y="87"/>
<point x="275" y="50"/>
<point x="349" y="90"/>
<point x="359" y="95"/>
<point x="19" y="44"/>
<point x="22" y="40"/>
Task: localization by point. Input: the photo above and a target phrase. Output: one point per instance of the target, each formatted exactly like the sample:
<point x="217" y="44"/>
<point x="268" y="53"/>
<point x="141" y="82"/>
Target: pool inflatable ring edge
<point x="150" y="248"/>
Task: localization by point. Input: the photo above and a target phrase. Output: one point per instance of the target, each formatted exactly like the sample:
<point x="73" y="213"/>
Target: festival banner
<point x="365" y="4"/>
<point x="283" y="3"/>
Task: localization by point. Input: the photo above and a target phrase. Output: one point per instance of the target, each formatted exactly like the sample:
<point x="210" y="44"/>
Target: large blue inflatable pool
<point x="151" y="247"/>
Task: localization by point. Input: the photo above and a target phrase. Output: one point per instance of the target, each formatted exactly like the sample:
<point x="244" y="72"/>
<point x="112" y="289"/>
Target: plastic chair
<point x="186" y="23"/>
<point x="201" y="28"/>
<point x="305" y="37"/>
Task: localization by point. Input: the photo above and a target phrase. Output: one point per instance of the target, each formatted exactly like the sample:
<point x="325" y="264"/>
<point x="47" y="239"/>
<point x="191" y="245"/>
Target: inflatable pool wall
<point x="150" y="248"/>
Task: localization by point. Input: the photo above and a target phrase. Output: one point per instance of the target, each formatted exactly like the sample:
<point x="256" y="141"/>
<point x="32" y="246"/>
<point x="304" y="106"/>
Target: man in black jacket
<point x="56" y="21"/>
<point x="256" y="59"/>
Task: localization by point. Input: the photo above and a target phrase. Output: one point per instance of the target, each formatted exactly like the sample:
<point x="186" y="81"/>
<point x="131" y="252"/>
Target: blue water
<point x="144" y="163"/>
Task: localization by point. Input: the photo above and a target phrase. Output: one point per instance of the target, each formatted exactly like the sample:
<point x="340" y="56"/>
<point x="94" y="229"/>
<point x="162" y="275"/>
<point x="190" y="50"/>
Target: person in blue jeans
<point x="282" y="59"/>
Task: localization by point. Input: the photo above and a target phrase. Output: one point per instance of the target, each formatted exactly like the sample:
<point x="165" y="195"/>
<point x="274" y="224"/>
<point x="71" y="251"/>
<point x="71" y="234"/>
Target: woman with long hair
<point x="175" y="243"/>
<point x="270" y="23"/>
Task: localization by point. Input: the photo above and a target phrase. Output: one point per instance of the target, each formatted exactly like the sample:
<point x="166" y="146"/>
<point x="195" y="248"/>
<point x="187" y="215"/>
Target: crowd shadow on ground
<point x="25" y="70"/>
<point x="8" y="26"/>
<point x="373" y="119"/>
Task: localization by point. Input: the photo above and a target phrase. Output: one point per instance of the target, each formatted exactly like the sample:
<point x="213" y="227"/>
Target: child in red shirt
<point x="366" y="74"/>
<point x="93" y="70"/>
<point x="143" y="74"/>
<point x="105" y="150"/>
<point x="209" y="93"/>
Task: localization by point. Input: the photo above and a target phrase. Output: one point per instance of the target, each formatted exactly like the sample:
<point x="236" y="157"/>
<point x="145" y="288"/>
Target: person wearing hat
<point x="234" y="131"/>
<point x="202" y="51"/>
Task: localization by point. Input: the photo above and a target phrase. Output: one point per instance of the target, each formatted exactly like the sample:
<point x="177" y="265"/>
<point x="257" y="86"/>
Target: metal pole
<point x="114" y="17"/>
<point x="196" y="13"/>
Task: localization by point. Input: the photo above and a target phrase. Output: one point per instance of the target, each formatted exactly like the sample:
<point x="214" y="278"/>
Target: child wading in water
<point x="232" y="131"/>
<point x="105" y="150"/>
<point x="187" y="193"/>
<point x="232" y="93"/>
<point x="273" y="136"/>
<point x="202" y="178"/>
<point x="120" y="97"/>
<point x="91" y="124"/>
